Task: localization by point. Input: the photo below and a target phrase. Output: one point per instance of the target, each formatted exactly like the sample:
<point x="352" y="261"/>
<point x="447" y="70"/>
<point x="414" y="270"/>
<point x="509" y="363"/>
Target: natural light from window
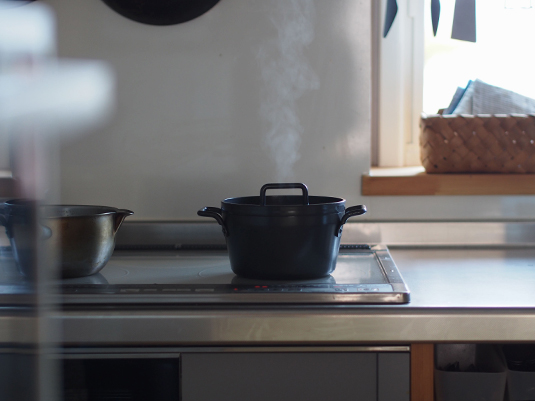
<point x="502" y="56"/>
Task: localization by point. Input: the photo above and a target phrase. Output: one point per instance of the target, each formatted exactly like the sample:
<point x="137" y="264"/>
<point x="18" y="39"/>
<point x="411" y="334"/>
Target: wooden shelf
<point x="414" y="181"/>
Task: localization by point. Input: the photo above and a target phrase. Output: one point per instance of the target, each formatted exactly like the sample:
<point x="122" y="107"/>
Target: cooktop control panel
<point x="223" y="289"/>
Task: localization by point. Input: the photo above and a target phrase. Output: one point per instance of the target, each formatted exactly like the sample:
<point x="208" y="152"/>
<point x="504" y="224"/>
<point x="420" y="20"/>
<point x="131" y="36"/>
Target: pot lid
<point x="283" y="204"/>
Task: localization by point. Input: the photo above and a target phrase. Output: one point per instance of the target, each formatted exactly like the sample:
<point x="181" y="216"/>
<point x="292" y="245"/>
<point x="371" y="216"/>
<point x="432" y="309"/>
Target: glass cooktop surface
<point x="363" y="274"/>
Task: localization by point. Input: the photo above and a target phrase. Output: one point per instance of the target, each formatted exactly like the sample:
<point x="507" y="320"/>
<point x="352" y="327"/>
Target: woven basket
<point x="483" y="143"/>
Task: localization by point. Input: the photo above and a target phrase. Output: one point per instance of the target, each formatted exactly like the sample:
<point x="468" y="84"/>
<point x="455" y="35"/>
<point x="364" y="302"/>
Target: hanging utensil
<point x="464" y="21"/>
<point x="435" y="15"/>
<point x="390" y="16"/>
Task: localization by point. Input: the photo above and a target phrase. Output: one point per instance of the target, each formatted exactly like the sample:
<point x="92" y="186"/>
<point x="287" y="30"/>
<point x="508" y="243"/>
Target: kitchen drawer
<point x="295" y="376"/>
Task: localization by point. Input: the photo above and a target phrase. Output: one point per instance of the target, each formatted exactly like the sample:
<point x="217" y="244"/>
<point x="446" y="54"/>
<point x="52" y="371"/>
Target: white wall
<point x="188" y="131"/>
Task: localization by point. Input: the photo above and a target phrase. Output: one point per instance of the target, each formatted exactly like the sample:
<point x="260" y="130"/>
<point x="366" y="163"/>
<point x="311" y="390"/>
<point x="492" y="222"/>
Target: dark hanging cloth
<point x="464" y="18"/>
<point x="390" y="16"/>
<point x="435" y="15"/>
<point x="464" y="21"/>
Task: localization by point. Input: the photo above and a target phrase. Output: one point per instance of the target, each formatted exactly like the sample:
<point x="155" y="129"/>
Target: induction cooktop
<point x="364" y="274"/>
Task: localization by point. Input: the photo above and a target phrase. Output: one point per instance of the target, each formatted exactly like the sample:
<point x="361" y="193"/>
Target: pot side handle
<point x="217" y="214"/>
<point x="350" y="212"/>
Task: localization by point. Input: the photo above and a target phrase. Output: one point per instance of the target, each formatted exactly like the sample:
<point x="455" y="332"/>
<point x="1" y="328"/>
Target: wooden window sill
<point x="415" y="181"/>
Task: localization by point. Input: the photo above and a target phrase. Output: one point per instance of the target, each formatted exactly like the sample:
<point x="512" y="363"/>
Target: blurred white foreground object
<point x="58" y="96"/>
<point x="64" y="97"/>
<point x="44" y="99"/>
<point x="27" y="33"/>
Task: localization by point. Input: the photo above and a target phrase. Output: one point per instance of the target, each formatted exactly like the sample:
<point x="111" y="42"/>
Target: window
<point x="420" y="72"/>
<point x="505" y="33"/>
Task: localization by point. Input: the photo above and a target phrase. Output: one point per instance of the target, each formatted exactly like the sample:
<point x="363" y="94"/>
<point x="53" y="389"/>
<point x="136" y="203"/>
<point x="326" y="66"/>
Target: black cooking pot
<point x="282" y="237"/>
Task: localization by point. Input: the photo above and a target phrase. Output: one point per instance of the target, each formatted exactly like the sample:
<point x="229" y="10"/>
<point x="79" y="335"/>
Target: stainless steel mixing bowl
<point x="81" y="238"/>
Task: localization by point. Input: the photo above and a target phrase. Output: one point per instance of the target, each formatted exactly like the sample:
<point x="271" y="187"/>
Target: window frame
<point x="397" y="84"/>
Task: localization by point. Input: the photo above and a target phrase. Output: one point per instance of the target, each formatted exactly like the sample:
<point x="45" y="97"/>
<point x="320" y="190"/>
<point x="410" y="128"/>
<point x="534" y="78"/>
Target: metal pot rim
<point x="274" y="201"/>
<point x="284" y="205"/>
<point x="15" y="205"/>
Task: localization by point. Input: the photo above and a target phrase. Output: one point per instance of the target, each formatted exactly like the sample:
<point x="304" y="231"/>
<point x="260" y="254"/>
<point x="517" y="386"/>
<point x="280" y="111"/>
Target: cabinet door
<point x="279" y="376"/>
<point x="394" y="376"/>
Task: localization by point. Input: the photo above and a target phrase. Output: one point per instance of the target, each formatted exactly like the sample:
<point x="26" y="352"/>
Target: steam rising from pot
<point x="286" y="76"/>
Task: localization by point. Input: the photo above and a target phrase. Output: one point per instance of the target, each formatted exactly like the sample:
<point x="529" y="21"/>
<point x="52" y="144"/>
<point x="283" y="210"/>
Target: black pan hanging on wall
<point x="161" y="12"/>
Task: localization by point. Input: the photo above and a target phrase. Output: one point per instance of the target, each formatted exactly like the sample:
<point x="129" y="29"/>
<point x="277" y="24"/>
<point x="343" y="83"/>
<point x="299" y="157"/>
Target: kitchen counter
<point x="480" y="292"/>
<point x="457" y="295"/>
<point x="468" y="278"/>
